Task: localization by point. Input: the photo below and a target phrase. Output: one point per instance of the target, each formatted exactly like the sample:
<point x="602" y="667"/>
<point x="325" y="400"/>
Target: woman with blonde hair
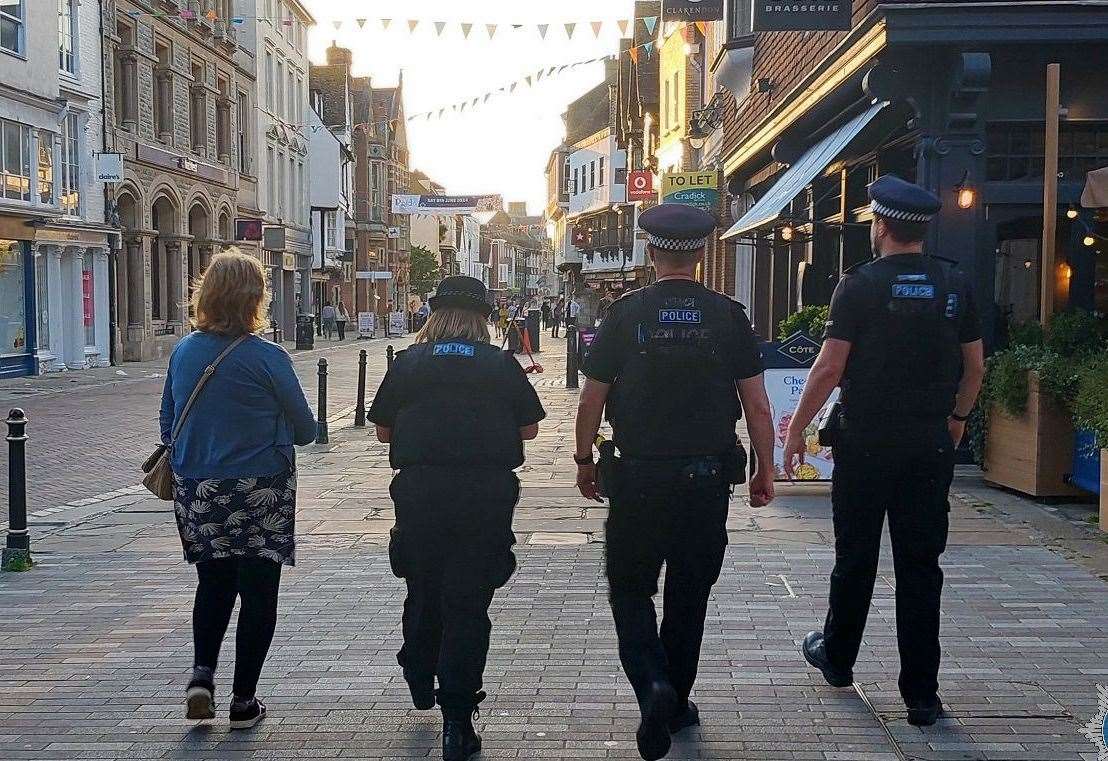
<point x="455" y="411"/>
<point x="234" y="468"/>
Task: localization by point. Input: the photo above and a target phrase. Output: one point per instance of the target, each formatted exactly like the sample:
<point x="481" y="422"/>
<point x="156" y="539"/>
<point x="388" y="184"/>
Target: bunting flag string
<point x="569" y="30"/>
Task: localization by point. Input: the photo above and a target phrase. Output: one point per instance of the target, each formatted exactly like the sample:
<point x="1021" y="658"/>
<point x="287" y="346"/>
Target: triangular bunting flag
<point x="634" y="52"/>
<point x="428" y="116"/>
<point x="487" y="96"/>
<point x="623" y="24"/>
<point x="702" y="26"/>
<point x="561" y="69"/>
<point x="538" y="76"/>
<point x="385" y="23"/>
<point x="527" y="79"/>
<point x="361" y="23"/>
<point x="550" y="71"/>
<point x="491" y="28"/>
<point x="517" y="26"/>
<point x="441" y="112"/>
<point x="337" y="23"/>
<point x="569" y="30"/>
<point x="596" y="27"/>
<point x="649" y="48"/>
<point x="412" y="24"/>
<point x="513" y="87"/>
<point x="650" y="22"/>
<point x="466" y="29"/>
<point x="463" y="108"/>
<point x="542" y="30"/>
<point x="439" y="26"/>
<point x="476" y="101"/>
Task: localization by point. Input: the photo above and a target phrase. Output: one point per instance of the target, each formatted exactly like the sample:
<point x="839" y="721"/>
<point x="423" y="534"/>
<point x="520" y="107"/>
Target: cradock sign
<point x="692" y="10"/>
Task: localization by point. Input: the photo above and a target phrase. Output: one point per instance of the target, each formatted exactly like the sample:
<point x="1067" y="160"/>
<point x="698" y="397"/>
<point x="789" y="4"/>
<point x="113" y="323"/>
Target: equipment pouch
<point x="831" y="425"/>
<point x="705" y="471"/>
<point x="734" y="465"/>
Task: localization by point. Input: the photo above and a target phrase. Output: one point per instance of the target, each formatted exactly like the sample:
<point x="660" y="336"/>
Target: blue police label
<point x="905" y="291"/>
<point x="453" y="350"/>
<point x="679" y="316"/>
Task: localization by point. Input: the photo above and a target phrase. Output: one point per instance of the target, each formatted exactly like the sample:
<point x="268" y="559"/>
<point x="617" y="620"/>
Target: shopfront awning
<point x="801" y="173"/>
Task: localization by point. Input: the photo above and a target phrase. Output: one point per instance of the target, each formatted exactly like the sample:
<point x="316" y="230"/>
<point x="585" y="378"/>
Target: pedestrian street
<point x="95" y="641"/>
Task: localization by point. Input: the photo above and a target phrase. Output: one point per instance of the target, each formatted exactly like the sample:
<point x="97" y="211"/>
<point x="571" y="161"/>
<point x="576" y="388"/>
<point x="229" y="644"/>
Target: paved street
<point x="95" y="641"/>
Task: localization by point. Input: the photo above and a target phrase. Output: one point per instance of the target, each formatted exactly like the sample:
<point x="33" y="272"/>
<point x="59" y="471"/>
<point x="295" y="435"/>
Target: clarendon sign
<point x="815" y="15"/>
<point x="692" y="10"/>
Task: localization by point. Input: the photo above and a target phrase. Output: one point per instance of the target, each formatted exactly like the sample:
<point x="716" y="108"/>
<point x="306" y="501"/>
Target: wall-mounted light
<point x="965" y="195"/>
<point x="1027" y="264"/>
<point x="1065" y="271"/>
<point x="787" y="233"/>
<point x="1071" y="213"/>
<point x="1089" y="240"/>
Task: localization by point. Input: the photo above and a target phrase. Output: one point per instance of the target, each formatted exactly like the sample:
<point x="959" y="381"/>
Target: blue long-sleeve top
<point x="247" y="419"/>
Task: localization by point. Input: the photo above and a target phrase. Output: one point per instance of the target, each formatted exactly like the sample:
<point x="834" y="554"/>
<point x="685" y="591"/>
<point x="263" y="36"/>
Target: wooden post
<point x="1050" y="194"/>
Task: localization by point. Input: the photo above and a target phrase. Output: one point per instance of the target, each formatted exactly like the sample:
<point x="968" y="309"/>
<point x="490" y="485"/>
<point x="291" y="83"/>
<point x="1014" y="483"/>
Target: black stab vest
<point x="456" y="410"/>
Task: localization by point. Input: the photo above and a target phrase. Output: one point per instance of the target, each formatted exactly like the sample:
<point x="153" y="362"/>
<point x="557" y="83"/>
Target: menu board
<point x="784" y="388"/>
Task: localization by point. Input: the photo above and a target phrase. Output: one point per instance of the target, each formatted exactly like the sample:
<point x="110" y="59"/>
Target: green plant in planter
<point x="1090" y="399"/>
<point x="810" y="319"/>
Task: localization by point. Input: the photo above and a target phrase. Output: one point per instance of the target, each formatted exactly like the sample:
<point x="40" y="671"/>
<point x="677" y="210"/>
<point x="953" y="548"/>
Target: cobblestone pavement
<point x="95" y="641"/>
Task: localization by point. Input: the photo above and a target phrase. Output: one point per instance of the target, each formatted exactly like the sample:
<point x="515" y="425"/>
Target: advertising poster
<point x="445" y="205"/>
<point x="784" y="388"/>
<point x="398" y="323"/>
<point x="699" y="189"/>
<point x="367" y="324"/>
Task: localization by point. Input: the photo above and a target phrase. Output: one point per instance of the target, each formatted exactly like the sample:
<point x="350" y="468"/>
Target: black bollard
<point x="321" y="417"/>
<point x="572" y="356"/>
<point x="17" y="552"/>
<point x="389" y="356"/>
<point x="359" y="413"/>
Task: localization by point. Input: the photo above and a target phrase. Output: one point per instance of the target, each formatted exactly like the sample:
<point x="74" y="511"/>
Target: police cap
<point x="461" y="292"/>
<point x="894" y="198"/>
<point x="677" y="228"/>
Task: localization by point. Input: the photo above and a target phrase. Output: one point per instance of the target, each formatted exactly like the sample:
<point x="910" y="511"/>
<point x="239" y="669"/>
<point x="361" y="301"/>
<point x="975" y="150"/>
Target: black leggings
<point x="256" y="582"/>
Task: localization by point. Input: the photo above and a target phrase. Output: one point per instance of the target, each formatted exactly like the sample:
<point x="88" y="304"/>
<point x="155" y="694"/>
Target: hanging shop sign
<point x="640" y="185"/>
<point x="812" y="16"/>
<point x="692" y="10"/>
<point x="445" y="205"/>
<point x="273" y="238"/>
<point x="699" y="189"/>
<point x="248" y="229"/>
<point x="109" y="167"/>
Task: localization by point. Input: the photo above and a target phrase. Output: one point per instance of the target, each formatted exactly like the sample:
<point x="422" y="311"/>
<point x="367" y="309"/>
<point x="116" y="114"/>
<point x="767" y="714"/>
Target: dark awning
<point x="801" y="173"/>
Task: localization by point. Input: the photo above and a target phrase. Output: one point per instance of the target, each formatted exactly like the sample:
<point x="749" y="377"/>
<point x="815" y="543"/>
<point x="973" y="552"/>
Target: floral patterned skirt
<point x="237" y="517"/>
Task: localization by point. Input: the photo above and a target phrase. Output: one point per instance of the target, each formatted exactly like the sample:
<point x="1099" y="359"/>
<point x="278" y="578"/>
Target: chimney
<point x="339" y="56"/>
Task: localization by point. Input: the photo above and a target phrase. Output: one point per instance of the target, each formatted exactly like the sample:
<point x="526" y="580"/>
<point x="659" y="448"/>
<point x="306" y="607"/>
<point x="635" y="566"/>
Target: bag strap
<point x="209" y="371"/>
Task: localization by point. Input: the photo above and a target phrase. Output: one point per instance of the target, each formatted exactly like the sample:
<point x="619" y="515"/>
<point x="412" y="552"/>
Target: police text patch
<point x="679" y="316"/>
<point x="913" y="291"/>
<point x="453" y="350"/>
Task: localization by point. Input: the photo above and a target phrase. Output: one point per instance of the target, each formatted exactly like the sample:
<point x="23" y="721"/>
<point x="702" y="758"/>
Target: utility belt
<point x="616" y="472"/>
<point x="838" y="425"/>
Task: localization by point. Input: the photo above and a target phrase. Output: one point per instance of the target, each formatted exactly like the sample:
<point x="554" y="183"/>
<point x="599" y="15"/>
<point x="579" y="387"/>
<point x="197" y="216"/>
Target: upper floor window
<point x="1015" y="151"/>
<point x="12" y="32"/>
<point x="739" y="18"/>
<point x="15" y="160"/>
<point x="601" y="171"/>
<point x="270" y="92"/>
<point x="71" y="166"/>
<point x="67" y="36"/>
<point x="242" y="118"/>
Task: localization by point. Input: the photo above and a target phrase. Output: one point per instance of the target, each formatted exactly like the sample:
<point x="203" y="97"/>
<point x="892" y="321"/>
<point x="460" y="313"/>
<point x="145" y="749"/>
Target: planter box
<point x="1032" y="453"/>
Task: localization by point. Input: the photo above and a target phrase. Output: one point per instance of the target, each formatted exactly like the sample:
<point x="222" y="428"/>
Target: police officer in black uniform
<point x="666" y="364"/>
<point x="904" y="344"/>
<point x="455" y="410"/>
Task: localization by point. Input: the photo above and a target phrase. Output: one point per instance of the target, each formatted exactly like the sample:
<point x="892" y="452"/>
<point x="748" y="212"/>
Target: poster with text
<point x="784" y="388"/>
<point x="367" y="324"/>
<point x="398" y="323"/>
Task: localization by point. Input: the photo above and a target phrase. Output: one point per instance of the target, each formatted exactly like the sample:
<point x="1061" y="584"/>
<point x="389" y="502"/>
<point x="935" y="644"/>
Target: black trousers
<point x="341" y="325"/>
<point x="556" y="326"/>
<point x="909" y="479"/>
<point x="256" y="582"/>
<point x="452" y="546"/>
<point x="658" y="517"/>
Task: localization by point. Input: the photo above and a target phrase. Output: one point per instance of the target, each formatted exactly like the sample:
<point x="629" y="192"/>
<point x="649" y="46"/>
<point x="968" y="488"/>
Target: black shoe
<point x="200" y="699"/>
<point x="657" y="711"/>
<point x="690" y="717"/>
<point x="815" y="652"/>
<point x="246" y="714"/>
<point x="459" y="740"/>
<point x="923" y="712"/>
<point x="422" y="689"/>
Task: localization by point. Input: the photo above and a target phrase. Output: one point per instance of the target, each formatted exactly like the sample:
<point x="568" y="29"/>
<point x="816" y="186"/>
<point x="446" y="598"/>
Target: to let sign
<point x="640" y="185"/>
<point x="692" y="10"/>
<point x="830" y="15"/>
<point x="699" y="189"/>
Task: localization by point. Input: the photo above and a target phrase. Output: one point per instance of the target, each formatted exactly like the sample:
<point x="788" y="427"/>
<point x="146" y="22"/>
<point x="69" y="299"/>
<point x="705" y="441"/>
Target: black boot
<point x="815" y="652"/>
<point x="657" y="709"/>
<point x="459" y="739"/>
<point x="923" y="712"/>
<point x="686" y="717"/>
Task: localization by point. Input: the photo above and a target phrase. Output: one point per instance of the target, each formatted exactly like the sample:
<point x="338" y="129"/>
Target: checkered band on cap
<point x="907" y="216"/>
<point x="673" y="244"/>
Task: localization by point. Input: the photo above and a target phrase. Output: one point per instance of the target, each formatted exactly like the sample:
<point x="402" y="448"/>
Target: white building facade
<point x="469" y="249"/>
<point x="54" y="245"/>
<point x="330" y="196"/>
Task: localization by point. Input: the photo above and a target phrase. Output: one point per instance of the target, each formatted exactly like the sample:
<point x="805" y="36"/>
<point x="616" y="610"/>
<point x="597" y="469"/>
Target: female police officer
<point x="455" y="410"/>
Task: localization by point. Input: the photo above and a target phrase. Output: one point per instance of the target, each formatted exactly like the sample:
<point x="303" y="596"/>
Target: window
<point x="331" y="221"/>
<point x="665" y="107"/>
<point x="271" y="181"/>
<point x="15" y="146"/>
<point x="673" y="122"/>
<point x="601" y="171"/>
<point x="42" y="296"/>
<point x="198" y="98"/>
<point x="88" y="299"/>
<point x="163" y="93"/>
<point x="280" y="106"/>
<point x="243" y="118"/>
<point x="11" y="26"/>
<point x="71" y="166"/>
<point x="291" y="210"/>
<point x="592" y="175"/>
<point x="123" y="76"/>
<point x="1015" y="151"/>
<point x="282" y="178"/>
<point x="270" y="94"/>
<point x="46" y="167"/>
<point x="300" y="97"/>
<point x="576" y="187"/>
<point x="739" y="13"/>
<point x="67" y="36"/>
<point x="223" y="123"/>
<point x="290" y="113"/>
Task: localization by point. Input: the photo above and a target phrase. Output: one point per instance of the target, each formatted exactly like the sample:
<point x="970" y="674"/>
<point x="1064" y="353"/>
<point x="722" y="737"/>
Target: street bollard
<point x="17" y="552"/>
<point x="389" y="356"/>
<point x="321" y="417"/>
<point x="359" y="413"/>
<point x="571" y="356"/>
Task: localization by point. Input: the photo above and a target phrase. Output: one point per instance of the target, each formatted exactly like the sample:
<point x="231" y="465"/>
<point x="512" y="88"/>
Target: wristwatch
<point x="586" y="460"/>
<point x="959" y="418"/>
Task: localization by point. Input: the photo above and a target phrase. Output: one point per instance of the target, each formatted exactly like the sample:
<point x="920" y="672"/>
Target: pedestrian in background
<point x="234" y="485"/>
<point x="455" y="411"/>
<point x="675" y="365"/>
<point x="573" y="309"/>
<point x="502" y="320"/>
<point x="545" y="314"/>
<point x="329" y="319"/>
<point x="904" y="343"/>
<point x="556" y="318"/>
<point x="341" y="318"/>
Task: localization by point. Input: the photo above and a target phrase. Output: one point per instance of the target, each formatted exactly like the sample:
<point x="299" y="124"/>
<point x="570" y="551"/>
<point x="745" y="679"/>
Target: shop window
<point x="13" y="299"/>
<point x="46" y="167"/>
<point x="1015" y="151"/>
<point x="15" y="148"/>
<point x="67" y="36"/>
<point x="42" y="299"/>
<point x="71" y="167"/>
<point x="88" y="299"/>
<point x="12" y="30"/>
